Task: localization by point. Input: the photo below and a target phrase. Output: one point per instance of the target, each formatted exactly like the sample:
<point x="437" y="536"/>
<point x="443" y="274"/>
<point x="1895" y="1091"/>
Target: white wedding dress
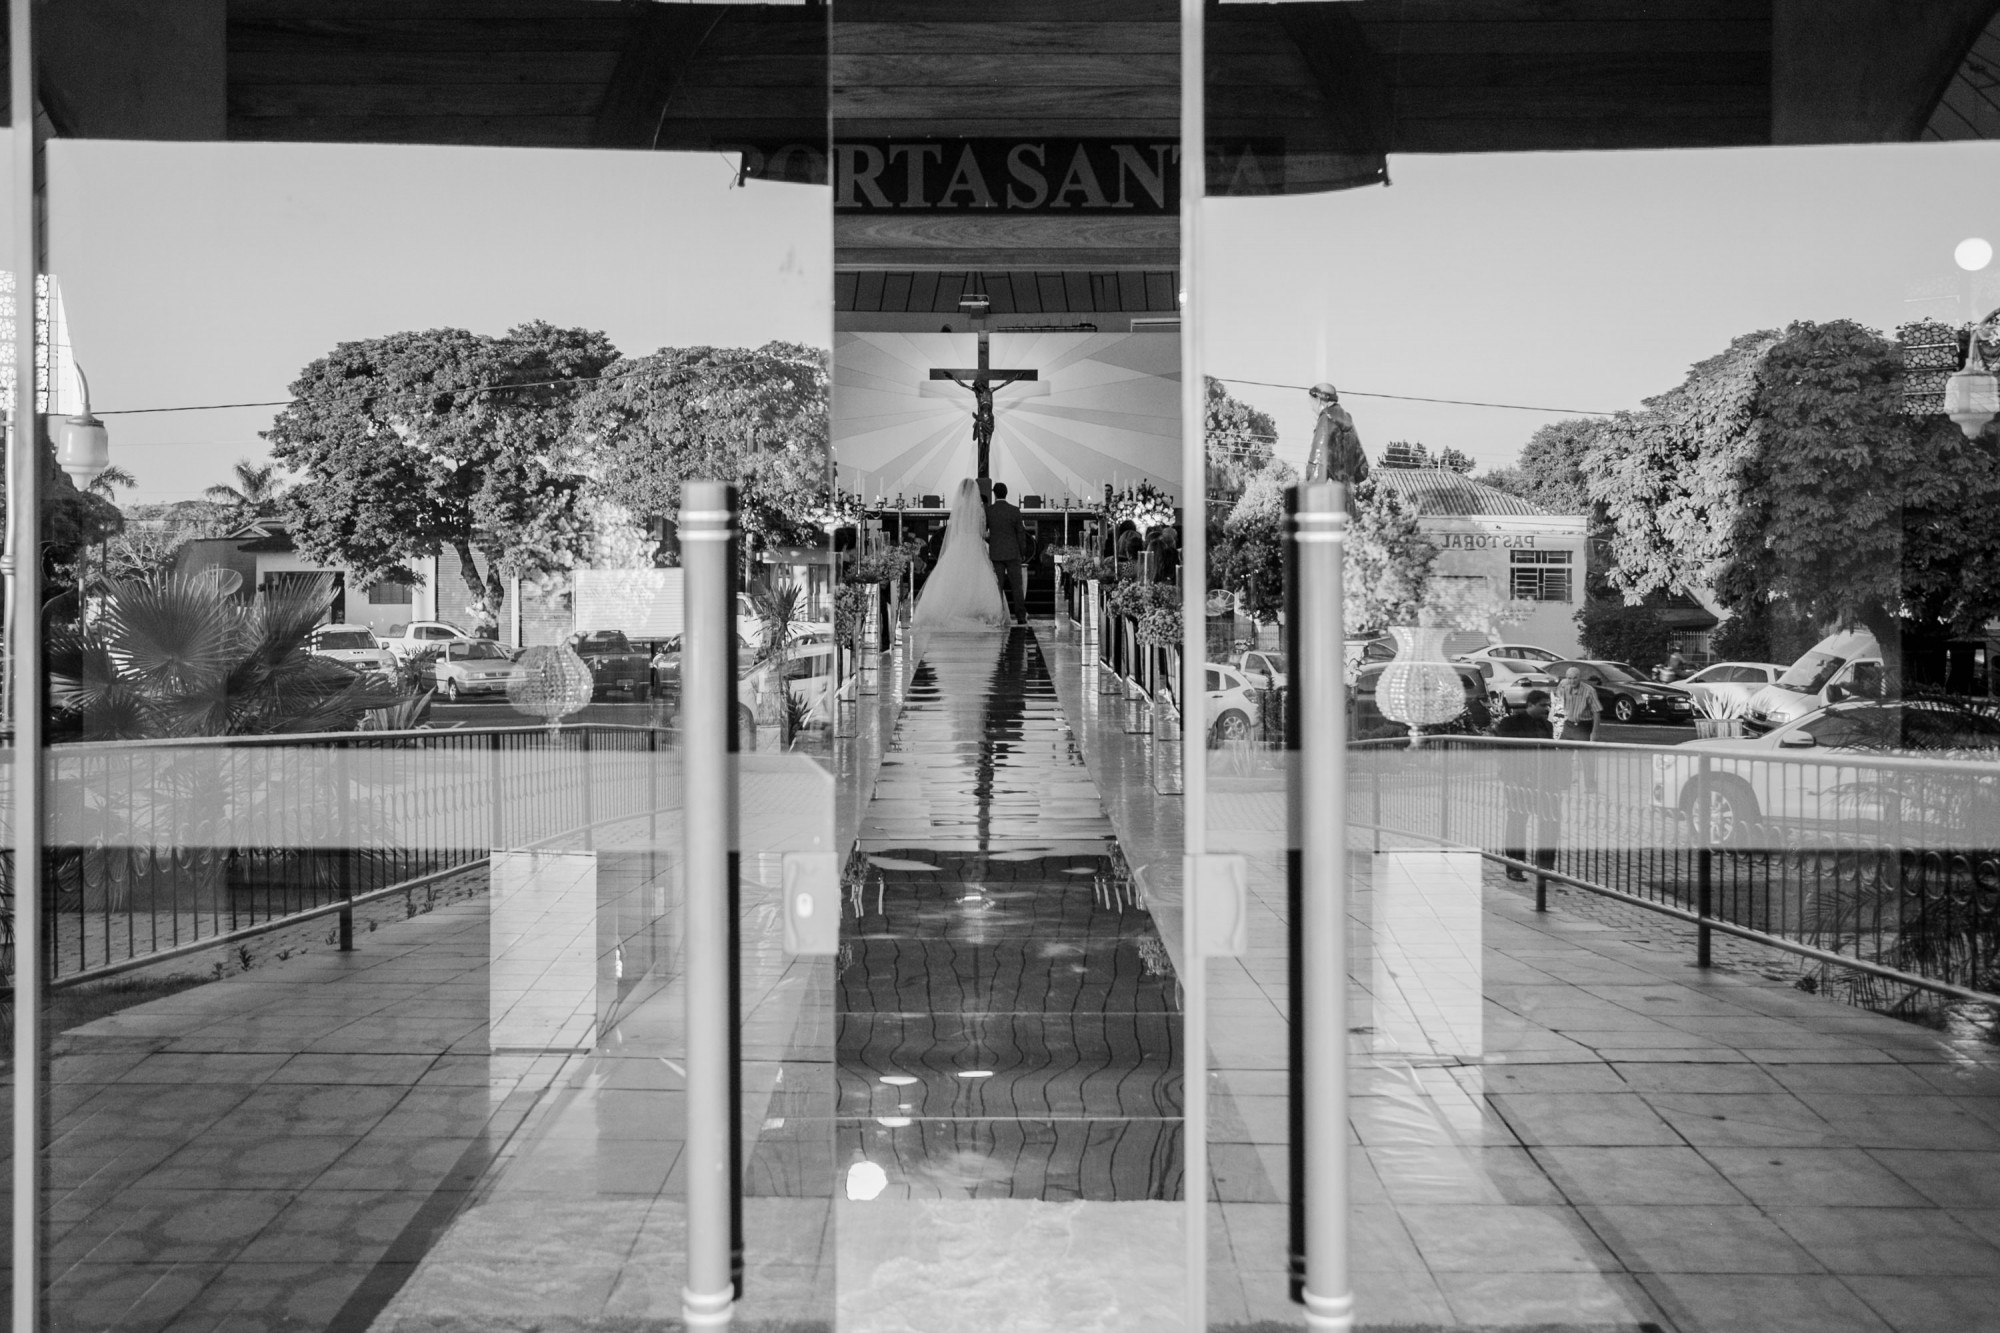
<point x="963" y="592"/>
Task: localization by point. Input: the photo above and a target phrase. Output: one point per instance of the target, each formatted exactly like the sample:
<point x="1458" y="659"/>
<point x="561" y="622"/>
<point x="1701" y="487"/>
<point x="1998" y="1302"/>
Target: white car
<point x="1511" y="652"/>
<point x="1510" y="680"/>
<point x="1730" y="683"/>
<point x="808" y="679"/>
<point x="471" y="668"/>
<point x="750" y="625"/>
<point x="1230" y="711"/>
<point x="1837" y="667"/>
<point x="407" y="641"/>
<point x="1264" y="668"/>
<point x="1814" y="773"/>
<point x="352" y="645"/>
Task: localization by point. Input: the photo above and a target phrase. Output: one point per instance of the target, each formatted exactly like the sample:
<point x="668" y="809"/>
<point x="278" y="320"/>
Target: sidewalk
<point x="1634" y="1141"/>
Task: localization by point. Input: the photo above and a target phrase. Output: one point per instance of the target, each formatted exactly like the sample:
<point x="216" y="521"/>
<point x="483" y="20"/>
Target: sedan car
<point x="471" y="668"/>
<point x="354" y="646"/>
<point x="1730" y="684"/>
<point x="1626" y="695"/>
<point x="1511" y="652"/>
<point x="1229" y="706"/>
<point x="1735" y="786"/>
<point x="1510" y="680"/>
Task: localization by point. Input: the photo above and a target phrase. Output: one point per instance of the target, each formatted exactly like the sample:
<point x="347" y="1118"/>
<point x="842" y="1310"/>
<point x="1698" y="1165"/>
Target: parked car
<point x="1263" y="667"/>
<point x="750" y="625"/>
<point x="1510" y="680"/>
<point x="1366" y="720"/>
<point x="463" y="669"/>
<point x="615" y="665"/>
<point x="1511" y="652"/>
<point x="1839" y="666"/>
<point x="1228" y="709"/>
<point x="1731" y="684"/>
<point x="808" y="679"/>
<point x="1748" y="779"/>
<point x="406" y="641"/>
<point x="353" y="646"/>
<point x="1627" y="695"/>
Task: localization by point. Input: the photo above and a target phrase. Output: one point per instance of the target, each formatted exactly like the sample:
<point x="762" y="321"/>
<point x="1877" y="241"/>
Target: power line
<point x="287" y="402"/>
<point x="1413" y="398"/>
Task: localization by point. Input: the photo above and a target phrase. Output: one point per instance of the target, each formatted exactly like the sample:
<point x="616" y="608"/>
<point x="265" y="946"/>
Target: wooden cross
<point x="981" y="380"/>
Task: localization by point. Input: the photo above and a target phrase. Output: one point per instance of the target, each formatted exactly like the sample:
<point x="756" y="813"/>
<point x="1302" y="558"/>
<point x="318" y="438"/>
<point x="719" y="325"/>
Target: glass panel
<point x="1596" y="926"/>
<point x="366" y="944"/>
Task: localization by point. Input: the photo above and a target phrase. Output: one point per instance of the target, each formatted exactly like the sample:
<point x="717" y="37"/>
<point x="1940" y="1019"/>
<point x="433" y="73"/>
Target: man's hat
<point x="1325" y="390"/>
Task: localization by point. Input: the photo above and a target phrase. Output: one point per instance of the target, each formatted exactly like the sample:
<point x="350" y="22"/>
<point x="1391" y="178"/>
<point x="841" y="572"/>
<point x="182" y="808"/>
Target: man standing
<point x="1536" y="777"/>
<point x="1577" y="702"/>
<point x="1007" y="548"/>
<point x="1336" y="446"/>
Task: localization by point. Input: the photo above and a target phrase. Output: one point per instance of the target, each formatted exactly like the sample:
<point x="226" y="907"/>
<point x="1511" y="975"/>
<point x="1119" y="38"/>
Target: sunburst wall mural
<point x="1104" y="408"/>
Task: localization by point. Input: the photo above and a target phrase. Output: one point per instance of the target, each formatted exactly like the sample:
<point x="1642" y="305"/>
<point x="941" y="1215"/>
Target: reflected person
<point x="1535" y="779"/>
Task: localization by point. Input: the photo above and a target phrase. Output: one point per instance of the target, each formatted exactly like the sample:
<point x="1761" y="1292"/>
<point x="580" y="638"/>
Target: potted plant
<point x="1718" y="715"/>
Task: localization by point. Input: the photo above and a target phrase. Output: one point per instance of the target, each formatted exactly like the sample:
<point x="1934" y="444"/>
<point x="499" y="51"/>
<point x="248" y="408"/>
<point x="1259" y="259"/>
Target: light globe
<point x="1420" y="688"/>
<point x="1973" y="253"/>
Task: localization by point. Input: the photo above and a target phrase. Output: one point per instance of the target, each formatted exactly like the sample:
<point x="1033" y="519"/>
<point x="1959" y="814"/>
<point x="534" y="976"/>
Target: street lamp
<point x="83" y="446"/>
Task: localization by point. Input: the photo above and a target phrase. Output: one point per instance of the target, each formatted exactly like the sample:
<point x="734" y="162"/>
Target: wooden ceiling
<point x="1343" y="86"/>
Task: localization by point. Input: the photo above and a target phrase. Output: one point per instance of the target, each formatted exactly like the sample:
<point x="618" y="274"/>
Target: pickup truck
<point x="615" y="665"/>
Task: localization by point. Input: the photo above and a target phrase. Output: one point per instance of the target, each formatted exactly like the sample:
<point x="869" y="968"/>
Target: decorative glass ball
<point x="1420" y="688"/>
<point x="552" y="682"/>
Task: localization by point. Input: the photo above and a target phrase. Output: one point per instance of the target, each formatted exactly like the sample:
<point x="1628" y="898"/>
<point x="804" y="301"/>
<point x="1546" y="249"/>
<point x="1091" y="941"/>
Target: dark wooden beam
<point x="664" y="42"/>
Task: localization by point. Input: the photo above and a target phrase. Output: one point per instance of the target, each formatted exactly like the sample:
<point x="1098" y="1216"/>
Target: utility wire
<point x="287" y="402"/>
<point x="1413" y="398"/>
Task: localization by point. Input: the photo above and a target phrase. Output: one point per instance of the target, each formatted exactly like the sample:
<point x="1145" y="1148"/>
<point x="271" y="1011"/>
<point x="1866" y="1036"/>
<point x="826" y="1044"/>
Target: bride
<point x="963" y="593"/>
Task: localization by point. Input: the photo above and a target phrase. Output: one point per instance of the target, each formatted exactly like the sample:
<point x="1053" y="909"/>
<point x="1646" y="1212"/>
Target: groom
<point x="1007" y="548"/>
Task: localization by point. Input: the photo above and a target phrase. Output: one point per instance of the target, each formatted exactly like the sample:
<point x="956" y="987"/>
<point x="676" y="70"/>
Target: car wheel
<point x="1722" y="809"/>
<point x="1233" y="725"/>
<point x="1624" y="709"/>
<point x="451" y="691"/>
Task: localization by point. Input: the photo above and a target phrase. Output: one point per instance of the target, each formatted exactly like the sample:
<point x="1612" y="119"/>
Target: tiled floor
<point x="1635" y="1141"/>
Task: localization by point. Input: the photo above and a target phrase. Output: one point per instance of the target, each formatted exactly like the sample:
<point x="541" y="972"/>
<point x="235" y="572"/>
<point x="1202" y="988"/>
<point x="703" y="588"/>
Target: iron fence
<point x="158" y="848"/>
<point x="1883" y="865"/>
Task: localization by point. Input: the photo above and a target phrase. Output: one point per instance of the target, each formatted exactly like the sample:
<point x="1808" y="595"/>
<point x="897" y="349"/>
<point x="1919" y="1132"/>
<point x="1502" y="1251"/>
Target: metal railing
<point x="159" y="848"/>
<point x="1880" y="865"/>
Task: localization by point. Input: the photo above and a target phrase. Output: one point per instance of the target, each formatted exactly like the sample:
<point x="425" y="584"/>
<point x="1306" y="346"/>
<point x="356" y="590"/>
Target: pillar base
<point x="713" y="1310"/>
<point x="1334" y="1314"/>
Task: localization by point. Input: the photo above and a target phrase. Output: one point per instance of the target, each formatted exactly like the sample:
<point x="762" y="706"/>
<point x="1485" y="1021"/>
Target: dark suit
<point x="1007" y="548"/>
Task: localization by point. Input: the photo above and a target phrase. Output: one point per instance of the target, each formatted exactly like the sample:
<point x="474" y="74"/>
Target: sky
<point x="212" y="273"/>
<point x="1571" y="280"/>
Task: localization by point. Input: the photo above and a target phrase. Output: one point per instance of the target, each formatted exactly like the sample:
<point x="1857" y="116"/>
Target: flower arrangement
<point x="1161" y="626"/>
<point x="1134" y="600"/>
<point x="1080" y="563"/>
<point x="839" y="510"/>
<point x="884" y="566"/>
<point x="1145" y="505"/>
<point x="851" y="607"/>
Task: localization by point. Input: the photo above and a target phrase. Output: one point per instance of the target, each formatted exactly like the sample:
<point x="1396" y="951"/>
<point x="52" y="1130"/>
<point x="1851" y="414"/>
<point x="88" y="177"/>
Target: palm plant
<point x="107" y="482"/>
<point x="255" y="494"/>
<point x="781" y="613"/>
<point x="176" y="658"/>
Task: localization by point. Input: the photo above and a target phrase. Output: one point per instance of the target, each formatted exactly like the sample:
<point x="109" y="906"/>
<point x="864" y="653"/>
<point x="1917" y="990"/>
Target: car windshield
<point x="1810" y="673"/>
<point x="347" y="638"/>
<point x="478" y="652"/>
<point x="606" y="643"/>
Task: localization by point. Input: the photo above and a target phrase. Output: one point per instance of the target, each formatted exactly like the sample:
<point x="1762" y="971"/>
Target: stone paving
<point x="1635" y="1143"/>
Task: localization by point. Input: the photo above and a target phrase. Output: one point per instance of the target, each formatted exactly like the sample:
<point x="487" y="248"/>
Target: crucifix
<point x="981" y="380"/>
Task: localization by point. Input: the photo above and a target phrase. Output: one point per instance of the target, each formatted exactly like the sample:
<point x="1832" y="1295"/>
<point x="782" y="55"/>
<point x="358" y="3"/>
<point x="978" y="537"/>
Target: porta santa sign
<point x="1040" y="175"/>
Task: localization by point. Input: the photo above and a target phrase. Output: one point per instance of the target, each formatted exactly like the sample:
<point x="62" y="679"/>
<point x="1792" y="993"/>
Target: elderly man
<point x="1336" y="446"/>
<point x="1579" y="710"/>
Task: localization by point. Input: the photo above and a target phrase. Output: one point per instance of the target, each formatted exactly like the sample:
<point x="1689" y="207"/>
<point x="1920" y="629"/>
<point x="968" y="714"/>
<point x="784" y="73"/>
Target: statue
<point x="1336" y="446"/>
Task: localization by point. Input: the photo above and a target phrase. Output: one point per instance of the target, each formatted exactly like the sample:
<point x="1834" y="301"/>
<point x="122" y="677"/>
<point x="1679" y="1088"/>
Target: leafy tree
<point x="1405" y="453"/>
<point x="756" y="418"/>
<point x="105" y="484"/>
<point x="71" y="519"/>
<point x="256" y="494"/>
<point x="1550" y="471"/>
<point x="1246" y="552"/>
<point x="1613" y="630"/>
<point x="1389" y="562"/>
<point x="417" y="443"/>
<point x="1781" y="473"/>
<point x="1240" y="439"/>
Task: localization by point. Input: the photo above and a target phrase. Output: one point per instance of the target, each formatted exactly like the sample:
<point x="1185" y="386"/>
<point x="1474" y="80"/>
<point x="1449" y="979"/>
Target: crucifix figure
<point x="981" y="380"/>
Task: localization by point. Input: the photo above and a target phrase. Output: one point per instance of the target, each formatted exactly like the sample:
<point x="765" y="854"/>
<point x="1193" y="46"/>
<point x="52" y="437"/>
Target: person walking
<point x="1535" y="777"/>
<point x="1007" y="548"/>
<point x="1580" y="708"/>
<point x="1335" y="454"/>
